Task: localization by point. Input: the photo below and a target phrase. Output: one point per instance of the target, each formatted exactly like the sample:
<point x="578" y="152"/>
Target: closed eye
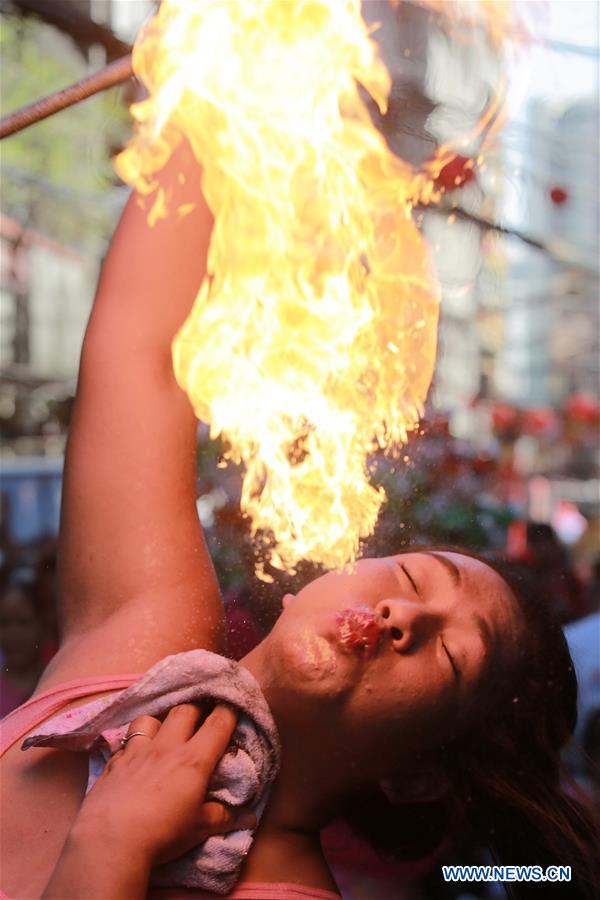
<point x="455" y="668"/>
<point x="410" y="579"/>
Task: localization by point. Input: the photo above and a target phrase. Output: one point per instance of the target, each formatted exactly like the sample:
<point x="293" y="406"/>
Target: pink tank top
<point x="24" y="719"/>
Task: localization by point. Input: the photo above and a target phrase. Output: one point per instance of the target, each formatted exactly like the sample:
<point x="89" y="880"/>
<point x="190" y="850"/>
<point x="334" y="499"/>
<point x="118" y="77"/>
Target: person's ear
<point x="287" y="599"/>
<point x="428" y="784"/>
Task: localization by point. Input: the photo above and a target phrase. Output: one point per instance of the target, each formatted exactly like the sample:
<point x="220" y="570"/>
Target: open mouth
<point x="358" y="630"/>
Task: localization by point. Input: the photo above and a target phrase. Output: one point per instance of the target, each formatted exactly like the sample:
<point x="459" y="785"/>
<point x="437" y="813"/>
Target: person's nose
<point x="406" y="623"/>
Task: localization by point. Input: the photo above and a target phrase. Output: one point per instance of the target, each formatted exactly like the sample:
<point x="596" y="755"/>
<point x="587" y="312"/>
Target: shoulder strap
<point x="21" y="720"/>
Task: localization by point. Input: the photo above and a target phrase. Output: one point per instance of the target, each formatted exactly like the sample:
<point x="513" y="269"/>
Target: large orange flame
<point x="312" y="339"/>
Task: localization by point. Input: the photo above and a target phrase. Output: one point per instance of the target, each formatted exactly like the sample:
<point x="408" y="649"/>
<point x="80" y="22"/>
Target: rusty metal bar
<point x="115" y="73"/>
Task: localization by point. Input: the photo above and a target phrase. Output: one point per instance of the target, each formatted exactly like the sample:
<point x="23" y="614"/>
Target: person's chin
<point x="311" y="663"/>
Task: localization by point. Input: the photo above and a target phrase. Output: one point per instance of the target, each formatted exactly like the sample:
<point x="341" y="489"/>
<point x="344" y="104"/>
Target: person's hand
<point x="151" y="795"/>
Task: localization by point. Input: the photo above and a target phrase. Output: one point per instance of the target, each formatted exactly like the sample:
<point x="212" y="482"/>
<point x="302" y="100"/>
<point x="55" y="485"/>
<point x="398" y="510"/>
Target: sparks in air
<point x="312" y="339"/>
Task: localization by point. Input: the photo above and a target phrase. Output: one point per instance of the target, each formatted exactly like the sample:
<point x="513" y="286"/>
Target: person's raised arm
<point x="135" y="578"/>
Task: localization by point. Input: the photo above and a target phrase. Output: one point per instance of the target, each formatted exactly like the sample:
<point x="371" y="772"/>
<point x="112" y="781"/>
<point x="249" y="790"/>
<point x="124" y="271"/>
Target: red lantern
<point x="504" y="418"/>
<point x="582" y="407"/>
<point x="558" y="195"/>
<point x="455" y="174"/>
<point x="539" y="421"/>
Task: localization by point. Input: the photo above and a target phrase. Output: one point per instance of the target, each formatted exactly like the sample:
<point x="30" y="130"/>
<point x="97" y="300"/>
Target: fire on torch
<point x="312" y="340"/>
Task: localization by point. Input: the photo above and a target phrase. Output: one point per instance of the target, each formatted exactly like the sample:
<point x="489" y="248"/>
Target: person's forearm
<point x="92" y="867"/>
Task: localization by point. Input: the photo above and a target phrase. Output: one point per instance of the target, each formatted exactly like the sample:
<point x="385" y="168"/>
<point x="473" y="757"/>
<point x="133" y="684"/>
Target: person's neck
<point x="289" y="857"/>
<point x="287" y="846"/>
<point x="303" y="798"/>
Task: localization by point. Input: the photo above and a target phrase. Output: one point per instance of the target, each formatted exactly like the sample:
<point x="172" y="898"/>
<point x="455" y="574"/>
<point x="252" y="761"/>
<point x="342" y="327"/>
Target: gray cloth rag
<point x="242" y="778"/>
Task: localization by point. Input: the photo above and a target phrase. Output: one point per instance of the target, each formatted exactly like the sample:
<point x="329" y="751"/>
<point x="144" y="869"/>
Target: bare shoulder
<point x="40" y="794"/>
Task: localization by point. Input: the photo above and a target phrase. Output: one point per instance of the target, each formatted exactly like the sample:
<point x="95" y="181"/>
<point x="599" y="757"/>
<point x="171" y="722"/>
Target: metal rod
<point x="115" y="73"/>
<point x="487" y="225"/>
<point x="495" y="226"/>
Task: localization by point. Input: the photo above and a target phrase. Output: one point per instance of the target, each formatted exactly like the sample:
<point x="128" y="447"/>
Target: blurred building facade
<point x="463" y="77"/>
<point x="53" y="236"/>
<point x="552" y="357"/>
<point x="123" y="19"/>
<point x="553" y="325"/>
<point x="518" y="365"/>
<point x="54" y="225"/>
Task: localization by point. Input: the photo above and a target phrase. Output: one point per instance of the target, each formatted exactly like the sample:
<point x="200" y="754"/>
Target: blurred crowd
<point x="29" y="628"/>
<point x="29" y="632"/>
<point x="444" y="494"/>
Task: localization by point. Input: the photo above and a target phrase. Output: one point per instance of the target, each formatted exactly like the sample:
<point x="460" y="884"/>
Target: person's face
<point x="436" y="626"/>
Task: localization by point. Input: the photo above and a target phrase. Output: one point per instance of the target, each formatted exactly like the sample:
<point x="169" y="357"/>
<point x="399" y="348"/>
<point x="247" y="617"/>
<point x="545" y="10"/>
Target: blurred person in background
<point x="593" y="588"/>
<point x="583" y="638"/>
<point x="591" y="750"/>
<point x="47" y="598"/>
<point x="555" y="580"/>
<point x="21" y="641"/>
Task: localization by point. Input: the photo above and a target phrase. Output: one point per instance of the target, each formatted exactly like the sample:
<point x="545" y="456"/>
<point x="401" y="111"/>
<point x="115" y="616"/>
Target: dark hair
<point x="510" y="794"/>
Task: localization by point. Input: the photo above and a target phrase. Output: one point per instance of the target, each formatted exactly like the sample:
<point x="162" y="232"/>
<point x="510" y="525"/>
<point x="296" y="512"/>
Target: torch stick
<point x="118" y="72"/>
<point x="115" y="73"/>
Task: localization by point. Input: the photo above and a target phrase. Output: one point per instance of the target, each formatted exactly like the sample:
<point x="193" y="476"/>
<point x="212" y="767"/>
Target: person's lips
<point x="358" y="630"/>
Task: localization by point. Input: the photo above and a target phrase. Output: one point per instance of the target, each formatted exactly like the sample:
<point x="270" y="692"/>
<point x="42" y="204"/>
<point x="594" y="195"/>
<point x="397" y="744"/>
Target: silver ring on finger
<point x="132" y="735"/>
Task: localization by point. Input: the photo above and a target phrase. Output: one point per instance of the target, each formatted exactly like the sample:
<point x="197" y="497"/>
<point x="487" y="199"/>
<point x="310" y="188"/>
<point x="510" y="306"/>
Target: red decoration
<point x="516" y="540"/>
<point x="539" y="421"/>
<point x="455" y="174"/>
<point x="483" y="465"/>
<point x="582" y="407"/>
<point x="504" y="417"/>
<point x="558" y="195"/>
